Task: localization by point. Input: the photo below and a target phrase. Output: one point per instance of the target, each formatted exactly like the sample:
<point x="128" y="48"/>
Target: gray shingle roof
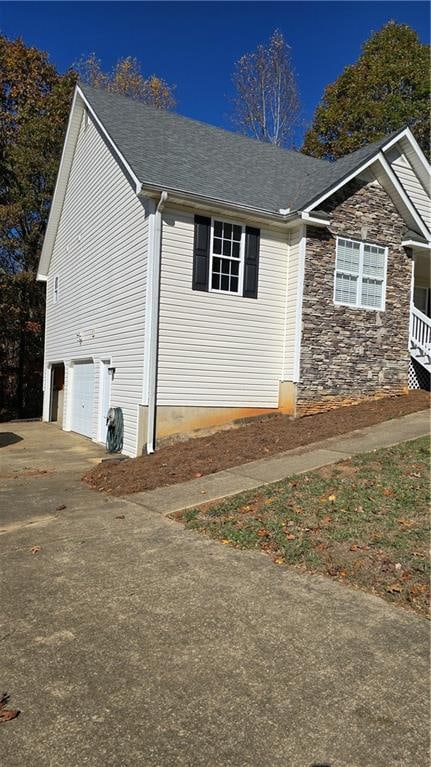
<point x="174" y="152"/>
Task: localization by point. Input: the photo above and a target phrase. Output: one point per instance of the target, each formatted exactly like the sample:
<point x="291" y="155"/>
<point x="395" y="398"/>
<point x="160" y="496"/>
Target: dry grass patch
<point x="364" y="521"/>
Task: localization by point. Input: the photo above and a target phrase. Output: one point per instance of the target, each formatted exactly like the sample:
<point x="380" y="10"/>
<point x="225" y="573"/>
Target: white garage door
<point x="83" y="398"/>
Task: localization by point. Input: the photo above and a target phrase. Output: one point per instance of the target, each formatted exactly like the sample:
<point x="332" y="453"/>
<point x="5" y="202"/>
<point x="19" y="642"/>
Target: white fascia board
<point x="340" y="184"/>
<point x="378" y="158"/>
<point x="415" y="244"/>
<point x="136" y="181"/>
<point x="404" y="197"/>
<point x="314" y="220"/>
<point x="180" y="196"/>
<point x="396" y="139"/>
<point x="58" y="196"/>
<point x="408" y="136"/>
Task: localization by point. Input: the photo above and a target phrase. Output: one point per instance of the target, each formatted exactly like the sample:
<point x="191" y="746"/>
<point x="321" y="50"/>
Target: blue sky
<point x="195" y="44"/>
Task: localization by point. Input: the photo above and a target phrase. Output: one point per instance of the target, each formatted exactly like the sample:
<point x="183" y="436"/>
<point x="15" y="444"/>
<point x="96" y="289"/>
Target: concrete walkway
<point x="166" y="500"/>
<point x="128" y="641"/>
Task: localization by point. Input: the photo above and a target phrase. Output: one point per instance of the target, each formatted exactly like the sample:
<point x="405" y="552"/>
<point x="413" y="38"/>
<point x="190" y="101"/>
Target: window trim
<point x="56" y="289"/>
<point x="216" y="255"/>
<point x="360" y="275"/>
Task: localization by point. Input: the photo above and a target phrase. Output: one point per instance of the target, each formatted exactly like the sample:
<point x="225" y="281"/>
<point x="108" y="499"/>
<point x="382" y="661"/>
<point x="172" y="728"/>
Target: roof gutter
<point x="188" y="198"/>
<point x="155" y="256"/>
<point x="416" y="244"/>
<point x="315" y="220"/>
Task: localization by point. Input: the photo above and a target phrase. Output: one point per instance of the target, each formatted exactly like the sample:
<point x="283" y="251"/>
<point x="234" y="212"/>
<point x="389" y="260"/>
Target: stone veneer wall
<point x="350" y="354"/>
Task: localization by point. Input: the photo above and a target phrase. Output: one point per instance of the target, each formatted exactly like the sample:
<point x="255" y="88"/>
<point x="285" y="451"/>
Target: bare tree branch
<point x="126" y="79"/>
<point x="266" y="104"/>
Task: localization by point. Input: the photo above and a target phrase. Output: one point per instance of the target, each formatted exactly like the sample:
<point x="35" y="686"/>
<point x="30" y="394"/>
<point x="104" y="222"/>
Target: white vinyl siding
<point x="217" y="349"/>
<point x="56" y="289"/>
<point x="101" y="253"/>
<point x="360" y="274"/>
<point x="412" y="185"/>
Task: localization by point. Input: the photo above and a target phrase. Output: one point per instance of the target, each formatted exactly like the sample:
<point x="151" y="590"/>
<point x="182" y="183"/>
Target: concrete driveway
<point x="129" y="641"/>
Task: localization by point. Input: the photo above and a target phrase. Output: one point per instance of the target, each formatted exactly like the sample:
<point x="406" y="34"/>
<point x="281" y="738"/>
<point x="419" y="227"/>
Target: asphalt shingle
<point x="177" y="153"/>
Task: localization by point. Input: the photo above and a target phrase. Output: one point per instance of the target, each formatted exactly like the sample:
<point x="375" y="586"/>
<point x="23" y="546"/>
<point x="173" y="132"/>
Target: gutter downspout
<point x="156" y="256"/>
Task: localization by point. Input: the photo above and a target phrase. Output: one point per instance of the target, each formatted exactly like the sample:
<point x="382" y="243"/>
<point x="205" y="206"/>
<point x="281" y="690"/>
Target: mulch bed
<point x="261" y="438"/>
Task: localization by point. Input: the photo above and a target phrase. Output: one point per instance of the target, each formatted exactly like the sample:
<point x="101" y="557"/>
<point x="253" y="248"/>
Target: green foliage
<point x="386" y="89"/>
<point x="34" y="105"/>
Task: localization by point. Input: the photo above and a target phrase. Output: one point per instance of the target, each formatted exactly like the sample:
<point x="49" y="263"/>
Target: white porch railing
<point x="420" y="337"/>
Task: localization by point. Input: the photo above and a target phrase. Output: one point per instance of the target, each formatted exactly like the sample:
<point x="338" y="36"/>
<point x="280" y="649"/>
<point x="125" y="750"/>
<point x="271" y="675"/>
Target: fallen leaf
<point x="278" y="560"/>
<point x="198" y="474"/>
<point x="398" y="566"/>
<point x="6" y="714"/>
<point x="290" y="537"/>
<point x="395" y="588"/>
<point x="332" y="498"/>
<point x="359" y="509"/>
<point x="262" y="533"/>
<point x="35" y="549"/>
<point x="61" y="507"/>
<point x="406" y="522"/>
<point x="120" y="516"/>
<point x="418" y="589"/>
<point x="225" y="541"/>
<point x="321" y="546"/>
<point x="326" y="520"/>
<point x="388" y="491"/>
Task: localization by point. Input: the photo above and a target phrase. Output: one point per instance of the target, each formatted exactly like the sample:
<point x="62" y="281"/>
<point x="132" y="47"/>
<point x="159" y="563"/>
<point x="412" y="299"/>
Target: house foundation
<point x="175" y="421"/>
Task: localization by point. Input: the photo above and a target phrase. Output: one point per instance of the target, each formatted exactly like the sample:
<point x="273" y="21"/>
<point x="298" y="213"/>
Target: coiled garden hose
<point x="114" y="434"/>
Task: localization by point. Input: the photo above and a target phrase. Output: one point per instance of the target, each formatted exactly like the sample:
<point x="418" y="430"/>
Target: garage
<point x="82" y="398"/>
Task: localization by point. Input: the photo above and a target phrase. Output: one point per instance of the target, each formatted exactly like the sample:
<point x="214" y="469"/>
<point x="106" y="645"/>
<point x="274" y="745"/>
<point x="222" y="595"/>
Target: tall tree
<point x="126" y="79"/>
<point x="266" y="102"/>
<point x="386" y="89"/>
<point x="34" y="104"/>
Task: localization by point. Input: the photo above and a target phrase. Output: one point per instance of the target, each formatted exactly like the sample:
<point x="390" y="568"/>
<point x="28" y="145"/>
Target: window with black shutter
<point x="226" y="257"/>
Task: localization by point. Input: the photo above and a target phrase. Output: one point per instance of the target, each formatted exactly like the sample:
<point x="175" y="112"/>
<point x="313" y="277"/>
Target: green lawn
<point x="364" y="521"/>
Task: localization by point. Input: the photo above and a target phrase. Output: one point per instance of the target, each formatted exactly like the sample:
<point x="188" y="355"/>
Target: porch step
<point x="422" y="357"/>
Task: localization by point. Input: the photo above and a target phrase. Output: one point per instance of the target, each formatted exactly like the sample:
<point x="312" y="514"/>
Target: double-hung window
<point x="226" y="257"/>
<point x="360" y="274"/>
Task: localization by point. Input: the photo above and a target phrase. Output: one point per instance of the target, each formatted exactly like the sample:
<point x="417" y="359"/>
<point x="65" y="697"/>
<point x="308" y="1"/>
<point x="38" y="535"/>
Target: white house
<point x="195" y="276"/>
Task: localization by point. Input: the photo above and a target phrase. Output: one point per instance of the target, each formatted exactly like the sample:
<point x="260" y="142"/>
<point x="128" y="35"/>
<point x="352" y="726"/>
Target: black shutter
<point x="201" y="253"/>
<point x="251" y="264"/>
